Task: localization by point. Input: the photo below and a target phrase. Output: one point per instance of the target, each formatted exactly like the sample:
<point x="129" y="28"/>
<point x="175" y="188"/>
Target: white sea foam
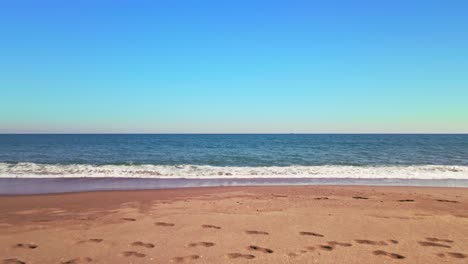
<point x="34" y="170"/>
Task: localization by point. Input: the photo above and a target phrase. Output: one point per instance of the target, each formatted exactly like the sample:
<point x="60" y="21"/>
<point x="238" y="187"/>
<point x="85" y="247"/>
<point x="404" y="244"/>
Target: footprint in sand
<point x="370" y="242"/>
<point x="185" y="258"/>
<point x="260" y="249"/>
<point x="435" y="239"/>
<point x="446" y="201"/>
<point x="25" y="245"/>
<point x="133" y="254"/>
<point x="142" y="244"/>
<point x="240" y="255"/>
<point x="164" y="224"/>
<point x="78" y="260"/>
<point x="406" y="201"/>
<point x="341" y="244"/>
<point x="13" y="261"/>
<point x="201" y="244"/>
<point x="321" y="198"/>
<point x="91" y="240"/>
<point x="326" y="247"/>
<point x="255" y="232"/>
<point x="393" y="241"/>
<point x="304" y="233"/>
<point x="280" y="196"/>
<point x="360" y="198"/>
<point x="297" y="253"/>
<point x="128" y="219"/>
<point x="452" y="254"/>
<point x="432" y="244"/>
<point x="460" y="215"/>
<point x="388" y="254"/>
<point x="211" y="226"/>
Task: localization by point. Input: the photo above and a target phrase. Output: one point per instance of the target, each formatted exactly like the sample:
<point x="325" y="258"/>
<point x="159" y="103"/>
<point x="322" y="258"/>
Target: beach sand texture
<point x="306" y="224"/>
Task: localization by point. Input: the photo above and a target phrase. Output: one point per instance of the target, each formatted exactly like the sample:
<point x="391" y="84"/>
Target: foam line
<point x="35" y="170"/>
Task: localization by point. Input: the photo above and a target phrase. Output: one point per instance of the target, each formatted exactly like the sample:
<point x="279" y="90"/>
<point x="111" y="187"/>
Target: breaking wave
<point x="37" y="170"/>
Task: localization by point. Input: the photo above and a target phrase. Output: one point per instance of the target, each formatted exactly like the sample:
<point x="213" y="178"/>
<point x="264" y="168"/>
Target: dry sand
<point x="308" y="224"/>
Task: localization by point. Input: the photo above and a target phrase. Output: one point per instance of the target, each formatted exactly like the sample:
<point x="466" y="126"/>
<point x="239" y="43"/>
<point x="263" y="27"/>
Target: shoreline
<point x="298" y="224"/>
<point x="31" y="186"/>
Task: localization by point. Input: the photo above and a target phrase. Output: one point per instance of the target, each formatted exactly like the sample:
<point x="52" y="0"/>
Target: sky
<point x="239" y="66"/>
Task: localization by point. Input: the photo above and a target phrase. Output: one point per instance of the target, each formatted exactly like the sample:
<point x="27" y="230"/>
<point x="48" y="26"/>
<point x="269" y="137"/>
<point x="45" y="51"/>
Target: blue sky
<point x="233" y="66"/>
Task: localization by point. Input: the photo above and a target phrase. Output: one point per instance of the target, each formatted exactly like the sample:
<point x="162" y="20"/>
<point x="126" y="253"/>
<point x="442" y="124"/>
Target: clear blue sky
<point x="233" y="66"/>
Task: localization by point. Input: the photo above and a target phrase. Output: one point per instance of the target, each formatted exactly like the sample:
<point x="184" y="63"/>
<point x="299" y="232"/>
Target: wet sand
<point x="281" y="224"/>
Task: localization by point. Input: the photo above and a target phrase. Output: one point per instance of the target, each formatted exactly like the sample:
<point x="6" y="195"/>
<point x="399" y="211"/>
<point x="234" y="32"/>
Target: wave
<point x="37" y="170"/>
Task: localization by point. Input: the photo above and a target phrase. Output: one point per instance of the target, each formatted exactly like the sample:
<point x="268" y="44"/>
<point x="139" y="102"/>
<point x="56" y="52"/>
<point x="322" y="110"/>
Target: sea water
<point x="222" y="158"/>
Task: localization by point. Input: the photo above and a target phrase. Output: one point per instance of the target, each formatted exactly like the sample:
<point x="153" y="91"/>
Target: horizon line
<point x="259" y="133"/>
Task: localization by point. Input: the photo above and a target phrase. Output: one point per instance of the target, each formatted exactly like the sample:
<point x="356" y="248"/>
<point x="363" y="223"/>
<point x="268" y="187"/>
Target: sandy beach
<point x="307" y="224"/>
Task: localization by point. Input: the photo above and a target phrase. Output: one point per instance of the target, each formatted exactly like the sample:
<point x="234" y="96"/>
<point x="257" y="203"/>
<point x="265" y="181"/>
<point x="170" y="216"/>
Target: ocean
<point x="221" y="159"/>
